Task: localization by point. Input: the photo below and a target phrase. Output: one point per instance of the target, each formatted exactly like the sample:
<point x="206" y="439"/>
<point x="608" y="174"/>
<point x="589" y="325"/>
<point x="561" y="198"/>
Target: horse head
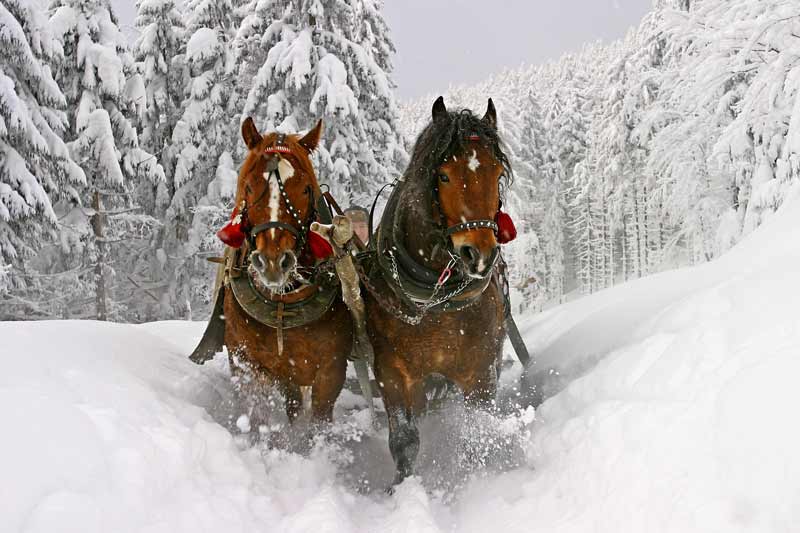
<point x="277" y="194"/>
<point x="466" y="185"/>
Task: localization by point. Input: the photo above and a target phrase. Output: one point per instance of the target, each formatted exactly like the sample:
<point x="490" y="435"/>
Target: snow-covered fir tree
<point x="159" y="54"/>
<point x="35" y="164"/>
<point x="103" y="252"/>
<point x="204" y="170"/>
<point x="329" y="59"/>
<point x="34" y="161"/>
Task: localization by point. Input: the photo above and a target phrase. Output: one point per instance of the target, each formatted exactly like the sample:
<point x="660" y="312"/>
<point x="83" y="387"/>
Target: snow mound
<point x="669" y="409"/>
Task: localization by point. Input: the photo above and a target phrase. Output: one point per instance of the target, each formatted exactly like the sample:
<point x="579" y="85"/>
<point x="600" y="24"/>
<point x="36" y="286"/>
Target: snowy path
<point x="676" y="414"/>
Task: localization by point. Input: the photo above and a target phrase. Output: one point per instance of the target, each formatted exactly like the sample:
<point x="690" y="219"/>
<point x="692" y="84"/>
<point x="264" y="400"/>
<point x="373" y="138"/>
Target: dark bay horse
<point x="434" y="305"/>
<point x="284" y="320"/>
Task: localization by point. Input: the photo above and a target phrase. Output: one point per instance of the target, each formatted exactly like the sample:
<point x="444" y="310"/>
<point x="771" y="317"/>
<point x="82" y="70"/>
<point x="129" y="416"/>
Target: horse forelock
<point x="442" y="139"/>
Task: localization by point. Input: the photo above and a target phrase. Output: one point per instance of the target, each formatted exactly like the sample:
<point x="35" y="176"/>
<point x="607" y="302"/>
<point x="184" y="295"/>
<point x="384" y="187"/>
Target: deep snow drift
<point x="671" y="408"/>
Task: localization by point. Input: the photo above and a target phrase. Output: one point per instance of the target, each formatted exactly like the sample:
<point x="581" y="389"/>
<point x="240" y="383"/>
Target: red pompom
<point x="506" y="231"/>
<point x="320" y="248"/>
<point x="232" y="233"/>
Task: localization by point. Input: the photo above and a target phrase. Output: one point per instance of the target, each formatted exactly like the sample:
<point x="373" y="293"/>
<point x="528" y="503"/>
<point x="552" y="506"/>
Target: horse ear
<point x="250" y="133"/>
<point x="439" y="110"/>
<point x="490" y="118"/>
<point x="311" y="139"/>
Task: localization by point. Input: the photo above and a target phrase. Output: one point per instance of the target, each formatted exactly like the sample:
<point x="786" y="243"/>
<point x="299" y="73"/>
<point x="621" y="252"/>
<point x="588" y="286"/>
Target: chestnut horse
<point x="434" y="304"/>
<point x="284" y="321"/>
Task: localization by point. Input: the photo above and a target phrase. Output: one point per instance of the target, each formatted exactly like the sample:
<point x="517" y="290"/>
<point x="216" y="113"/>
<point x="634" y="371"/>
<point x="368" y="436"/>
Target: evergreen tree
<point x="159" y="54"/>
<point x="34" y="162"/>
<point x="204" y="147"/>
<point x="102" y="226"/>
<point x="329" y="59"/>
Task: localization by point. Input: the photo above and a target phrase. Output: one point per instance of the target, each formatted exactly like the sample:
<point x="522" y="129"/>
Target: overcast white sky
<point x="444" y="42"/>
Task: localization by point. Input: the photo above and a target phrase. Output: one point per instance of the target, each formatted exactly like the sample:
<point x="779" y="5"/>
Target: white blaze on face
<point x="286" y="171"/>
<point x="473" y="162"/>
<point x="274" y="203"/>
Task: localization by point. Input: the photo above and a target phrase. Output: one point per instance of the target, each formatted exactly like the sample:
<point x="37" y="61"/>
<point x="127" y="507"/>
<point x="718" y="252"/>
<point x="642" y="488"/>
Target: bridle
<point x="409" y="279"/>
<point x="468" y="225"/>
<point x="300" y="234"/>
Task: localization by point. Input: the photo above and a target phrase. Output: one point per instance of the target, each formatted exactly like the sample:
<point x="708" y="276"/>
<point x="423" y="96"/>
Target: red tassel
<point x="232" y="233"/>
<point x="506" y="231"/>
<point x="320" y="248"/>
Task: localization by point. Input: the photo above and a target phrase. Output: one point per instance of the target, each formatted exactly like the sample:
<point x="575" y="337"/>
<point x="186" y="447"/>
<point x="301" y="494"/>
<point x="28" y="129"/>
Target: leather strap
<point x="274" y="225"/>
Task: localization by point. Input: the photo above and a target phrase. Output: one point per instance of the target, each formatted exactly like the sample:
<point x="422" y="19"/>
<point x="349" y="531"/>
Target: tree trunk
<point x="645" y="246"/>
<point x="99" y="270"/>
<point x="638" y="226"/>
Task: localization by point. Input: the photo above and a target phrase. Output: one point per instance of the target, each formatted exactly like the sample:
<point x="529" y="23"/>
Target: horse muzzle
<point x="274" y="272"/>
<point x="475" y="262"/>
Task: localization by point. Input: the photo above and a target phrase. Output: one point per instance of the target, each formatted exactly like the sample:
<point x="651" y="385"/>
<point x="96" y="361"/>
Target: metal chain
<point x="424" y="307"/>
<point x="421" y="309"/>
<point x="387" y="305"/>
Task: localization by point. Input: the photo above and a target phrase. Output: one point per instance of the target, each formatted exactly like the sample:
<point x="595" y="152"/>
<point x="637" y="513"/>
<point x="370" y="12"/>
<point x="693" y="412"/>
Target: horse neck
<point x="416" y="229"/>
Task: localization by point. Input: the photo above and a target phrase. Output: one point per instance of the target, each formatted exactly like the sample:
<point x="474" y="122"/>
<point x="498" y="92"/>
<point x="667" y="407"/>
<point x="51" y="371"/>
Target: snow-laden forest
<point x="118" y="159"/>
<point x="659" y="150"/>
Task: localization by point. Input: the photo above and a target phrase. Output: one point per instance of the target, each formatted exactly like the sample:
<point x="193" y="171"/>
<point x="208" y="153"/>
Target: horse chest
<point x="307" y="349"/>
<point x="448" y="343"/>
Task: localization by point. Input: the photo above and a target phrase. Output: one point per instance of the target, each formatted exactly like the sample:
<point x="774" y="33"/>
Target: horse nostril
<point x="287" y="261"/>
<point x="258" y="260"/>
<point x="469" y="254"/>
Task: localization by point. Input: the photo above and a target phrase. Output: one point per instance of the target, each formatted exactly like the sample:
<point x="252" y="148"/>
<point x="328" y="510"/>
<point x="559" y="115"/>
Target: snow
<point x="670" y="408"/>
<point x="203" y="44"/>
<point x="332" y="88"/>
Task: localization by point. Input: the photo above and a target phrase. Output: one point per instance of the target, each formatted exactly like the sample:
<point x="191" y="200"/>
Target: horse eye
<point x="444" y="177"/>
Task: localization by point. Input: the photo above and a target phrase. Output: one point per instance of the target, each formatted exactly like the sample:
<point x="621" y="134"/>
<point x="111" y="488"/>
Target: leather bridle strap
<point x="471" y="225"/>
<point x="274" y="225"/>
<point x="299" y="234"/>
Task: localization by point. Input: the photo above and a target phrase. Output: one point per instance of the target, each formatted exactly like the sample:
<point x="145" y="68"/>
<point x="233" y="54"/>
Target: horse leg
<point x="293" y="400"/>
<point x="251" y="391"/>
<point x="403" y="401"/>
<point x="327" y="385"/>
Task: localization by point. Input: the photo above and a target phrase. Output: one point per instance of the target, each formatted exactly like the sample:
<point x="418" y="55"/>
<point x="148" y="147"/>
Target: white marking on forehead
<point x="455" y="158"/>
<point x="285" y="171"/>
<point x="473" y="162"/>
